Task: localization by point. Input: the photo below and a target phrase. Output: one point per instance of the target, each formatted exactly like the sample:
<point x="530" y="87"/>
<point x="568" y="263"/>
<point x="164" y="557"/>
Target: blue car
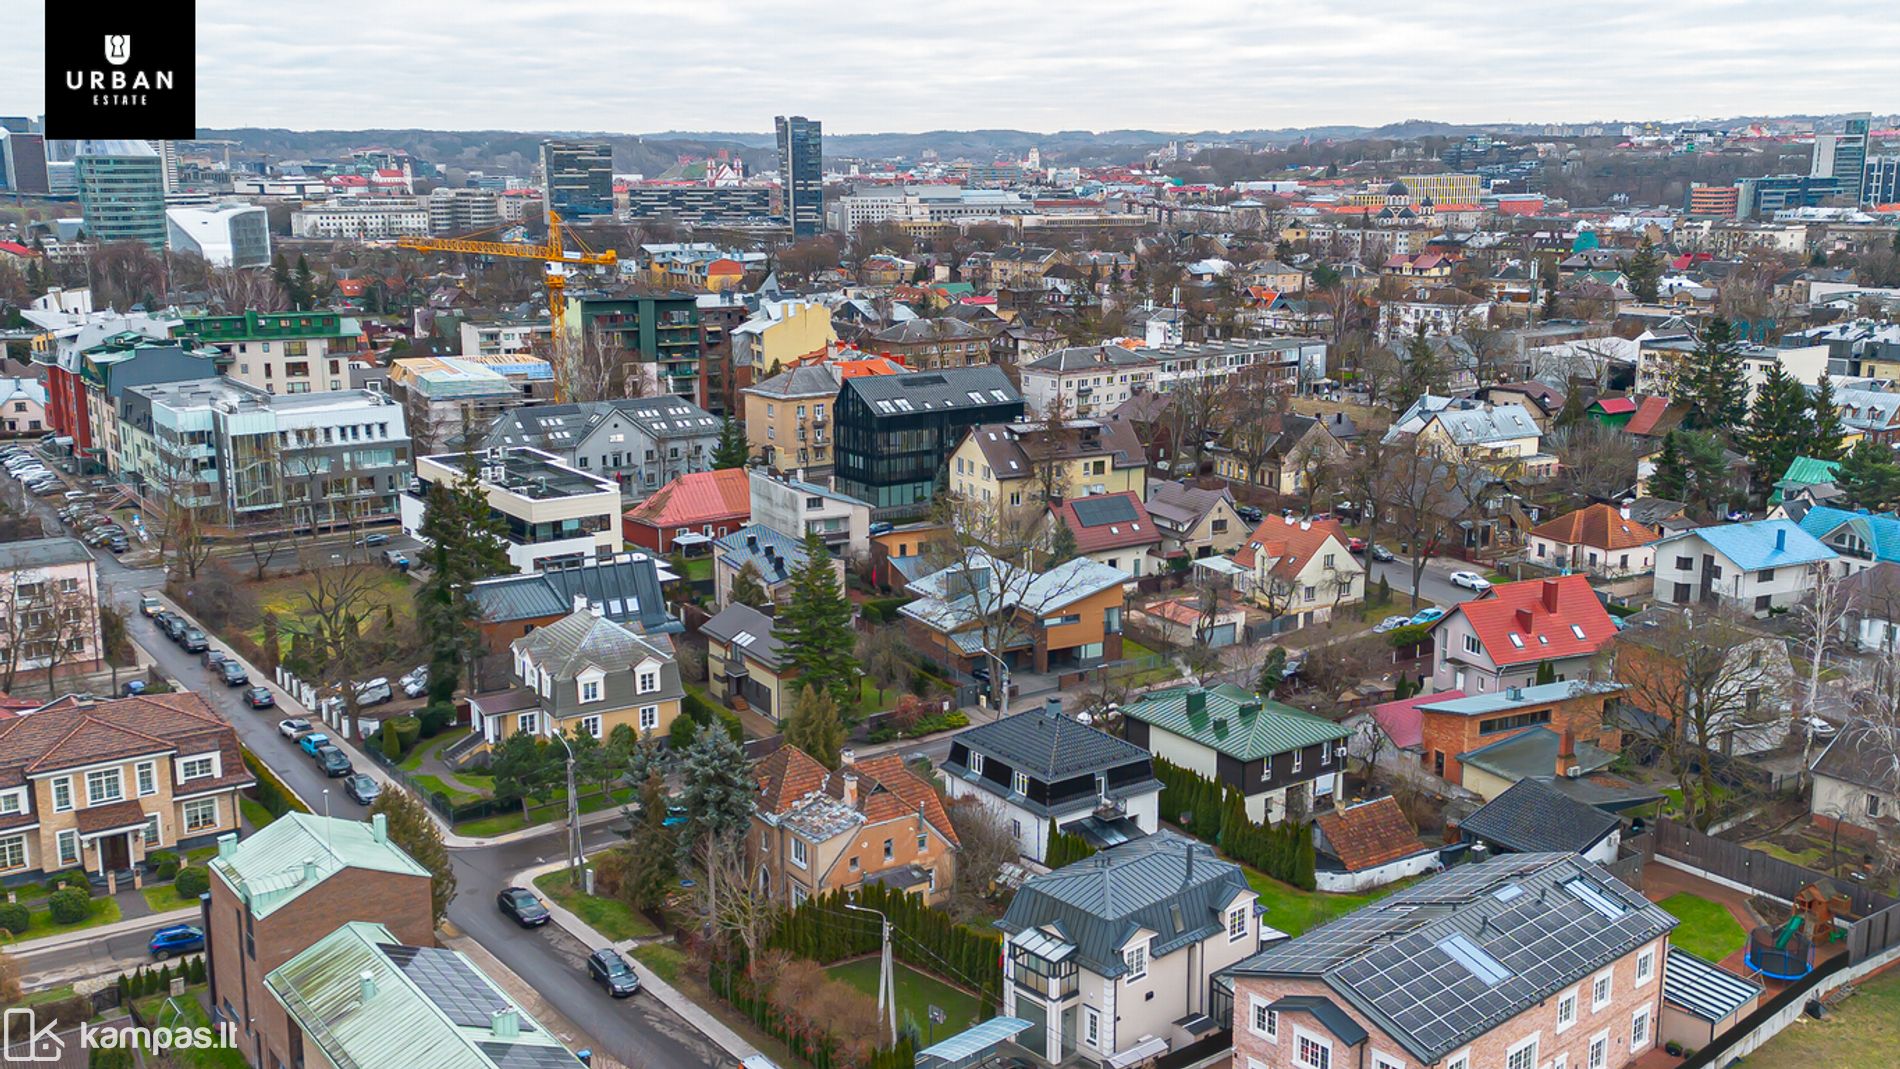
<point x="313" y="742"/>
<point x="1426" y="616"/>
<point x="177" y="939"/>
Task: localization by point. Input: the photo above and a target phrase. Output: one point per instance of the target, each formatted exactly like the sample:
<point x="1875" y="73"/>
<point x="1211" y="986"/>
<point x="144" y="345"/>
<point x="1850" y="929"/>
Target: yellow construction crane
<point x="555" y="254"/>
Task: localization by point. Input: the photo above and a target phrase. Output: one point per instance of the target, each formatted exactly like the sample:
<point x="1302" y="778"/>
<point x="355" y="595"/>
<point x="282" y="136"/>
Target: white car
<point x="416" y="683"/>
<point x="294" y="728"/>
<point x="1818" y="728"/>
<point x="1390" y="623"/>
<point x="1471" y="580"/>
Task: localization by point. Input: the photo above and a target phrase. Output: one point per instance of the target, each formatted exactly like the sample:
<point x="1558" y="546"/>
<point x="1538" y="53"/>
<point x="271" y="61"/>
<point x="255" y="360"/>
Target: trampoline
<point x="1784" y="953"/>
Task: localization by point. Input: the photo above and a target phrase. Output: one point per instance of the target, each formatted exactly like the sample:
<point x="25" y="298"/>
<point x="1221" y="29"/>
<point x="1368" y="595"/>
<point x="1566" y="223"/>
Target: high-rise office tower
<point x="121" y="191"/>
<point x="1843" y="155"/>
<point x="1882" y="183"/>
<point x="24" y="162"/>
<point x="578" y="177"/>
<point x="801" y="167"/>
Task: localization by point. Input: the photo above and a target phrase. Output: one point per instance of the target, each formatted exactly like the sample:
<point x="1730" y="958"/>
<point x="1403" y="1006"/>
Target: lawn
<point x="423" y="749"/>
<point x="698" y="569"/>
<point x="436" y="785"/>
<point x="916" y="993"/>
<point x="665" y="960"/>
<point x="1861" y="1033"/>
<point x="51" y="994"/>
<point x="191" y="1015"/>
<point x="1295" y="912"/>
<point x="254" y="813"/>
<point x="1143" y="677"/>
<point x="610" y="917"/>
<point x="551" y="811"/>
<point x="1707" y="930"/>
<point x="283" y="598"/>
<point x="40" y="923"/>
<point x="163" y="898"/>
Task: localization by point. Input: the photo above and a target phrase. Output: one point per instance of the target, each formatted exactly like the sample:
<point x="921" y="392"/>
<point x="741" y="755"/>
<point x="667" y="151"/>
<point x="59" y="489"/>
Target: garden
<point x="1862" y="1032"/>
<point x="64" y="903"/>
<point x="1708" y="930"/>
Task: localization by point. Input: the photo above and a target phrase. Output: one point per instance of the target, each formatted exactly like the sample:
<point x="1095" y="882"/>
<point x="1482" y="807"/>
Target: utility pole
<point x="573" y="818"/>
<point x="886" y="981"/>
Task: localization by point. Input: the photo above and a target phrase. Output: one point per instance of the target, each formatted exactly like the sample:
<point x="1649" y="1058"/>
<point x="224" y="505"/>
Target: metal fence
<point x="1752" y="868"/>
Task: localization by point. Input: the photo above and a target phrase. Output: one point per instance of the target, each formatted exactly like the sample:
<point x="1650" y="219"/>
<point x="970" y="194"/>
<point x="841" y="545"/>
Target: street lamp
<point x="574" y="858"/>
<point x="886" y="987"/>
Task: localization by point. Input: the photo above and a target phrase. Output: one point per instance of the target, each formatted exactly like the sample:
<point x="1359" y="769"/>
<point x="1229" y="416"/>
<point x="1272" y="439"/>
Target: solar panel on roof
<point x="1097" y="511"/>
<point x="448" y="981"/>
<point x="528" y="1056"/>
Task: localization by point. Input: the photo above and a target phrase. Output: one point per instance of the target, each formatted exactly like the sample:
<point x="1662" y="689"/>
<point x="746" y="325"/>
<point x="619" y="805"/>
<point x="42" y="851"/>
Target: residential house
<point x="896" y="432"/>
<point x="1112" y="959"/>
<point x="1870" y="411"/>
<point x="1187" y="620"/>
<point x="583" y="674"/>
<point x="1194" y="522"/>
<point x="1016" y="266"/>
<point x="772" y="554"/>
<point x="23" y="406"/>
<point x="100" y="785"/>
<point x="1859" y="539"/>
<point x="1856" y="787"/>
<point x="1574" y="766"/>
<point x="795" y="508"/>
<point x="1810" y="480"/>
<point x="786" y="419"/>
<point x="1500" y="438"/>
<point x="280" y="892"/>
<point x="746" y="665"/>
<point x="1112" y="529"/>
<point x="553" y="514"/>
<point x="49" y="607"/>
<point x="1040" y="767"/>
<point x="1611" y="411"/>
<point x="639" y="443"/>
<point x="1753" y="687"/>
<point x="1440" y="975"/>
<point x="1288" y="363"/>
<point x="1282" y="761"/>
<point x="282" y="352"/>
<point x="1091" y="380"/>
<point x="1036" y="464"/>
<point x="1368" y="844"/>
<point x="1872" y="596"/>
<point x="782" y="333"/>
<point x="1532" y="817"/>
<point x="1301" y="570"/>
<point x="1439" y="311"/>
<point x="1753" y="567"/>
<point x="902" y="554"/>
<point x="624" y="587"/>
<point x="1279" y="451"/>
<point x="1655" y="417"/>
<point x="933" y="344"/>
<point x="1599" y="539"/>
<point x="1543" y="401"/>
<point x="981" y="610"/>
<point x="689" y="512"/>
<point x="868" y="822"/>
<point x="1451" y="726"/>
<point x="1506" y="636"/>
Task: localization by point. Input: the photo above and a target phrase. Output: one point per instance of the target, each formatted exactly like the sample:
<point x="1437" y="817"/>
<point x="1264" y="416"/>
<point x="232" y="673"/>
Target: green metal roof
<point x="395" y="1023"/>
<point x="297" y="851"/>
<point x="1233" y="721"/>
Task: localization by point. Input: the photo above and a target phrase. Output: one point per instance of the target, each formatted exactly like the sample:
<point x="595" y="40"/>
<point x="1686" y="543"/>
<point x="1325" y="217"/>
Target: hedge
<point x="270" y="792"/>
<point x="14" y="917"/>
<point x="822" y="930"/>
<point x="1216" y="813"/>
<point x="883" y="610"/>
<point x="1409" y="635"/>
<point x="1065" y="848"/>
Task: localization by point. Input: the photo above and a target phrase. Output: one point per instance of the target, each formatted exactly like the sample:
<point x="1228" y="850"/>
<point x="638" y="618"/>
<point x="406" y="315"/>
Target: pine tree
<point x="748" y="587"/>
<point x="304" y="282"/>
<point x="814" y="726"/>
<point x="731" y="451"/>
<point x="468" y="541"/>
<point x="1644" y="270"/>
<point x="1671" y="480"/>
<point x="1707" y="472"/>
<point x="1573" y="408"/>
<point x="718" y="789"/>
<point x="411" y="828"/>
<point x="1423" y="372"/>
<point x="1777" y="426"/>
<point x="1062" y="544"/>
<point x="815" y="626"/>
<point x="1713" y="383"/>
<point x="653" y="855"/>
<point x="1824" y="431"/>
<point x="1869" y="476"/>
<point x="1546" y="673"/>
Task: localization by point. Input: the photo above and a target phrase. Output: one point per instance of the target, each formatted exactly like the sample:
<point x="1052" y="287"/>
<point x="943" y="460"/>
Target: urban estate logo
<point x="25" y="1041"/>
<point x="140" y="83"/>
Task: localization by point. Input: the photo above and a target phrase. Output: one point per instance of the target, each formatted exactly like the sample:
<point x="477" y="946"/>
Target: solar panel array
<point x="1097" y="511"/>
<point x="527" y="1056"/>
<point x="448" y="981"/>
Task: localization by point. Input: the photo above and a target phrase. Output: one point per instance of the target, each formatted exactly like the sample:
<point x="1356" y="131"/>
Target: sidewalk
<point x="713" y="1028"/>
<point x="100" y="931"/>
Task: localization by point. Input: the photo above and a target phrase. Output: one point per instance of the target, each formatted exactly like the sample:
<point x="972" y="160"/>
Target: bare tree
<point x="1419" y="496"/>
<point x="1598" y="462"/>
<point x="734" y="911"/>
<point x="1197" y="406"/>
<point x="984" y="846"/>
<point x="333" y="639"/>
<point x="1820" y="618"/>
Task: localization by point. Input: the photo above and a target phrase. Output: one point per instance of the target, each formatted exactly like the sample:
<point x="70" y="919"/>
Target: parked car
<point x="1380" y="553"/>
<point x="1470" y="581"/>
<point x="374" y="540"/>
<point x="233" y="674"/>
<point x="1355" y="545"/>
<point x="416" y="683"/>
<point x="149" y="605"/>
<point x="295" y="727"/>
<point x="132" y="688"/>
<point x="78" y="495"/>
<point x="396" y="559"/>
<point x="194" y="641"/>
<point x="213" y="658"/>
<point x="313" y="742"/>
<point x="334" y="762"/>
<point x="520" y="903"/>
<point x="1426" y="615"/>
<point x="373" y="692"/>
<point x="1390" y="623"/>
<point x="259" y="698"/>
<point x="176" y="939"/>
<point x="362" y="788"/>
<point x="1249" y="513"/>
<point x="172" y="624"/>
<point x="1817" y="727"/>
<point x="117" y="544"/>
<point x="611" y="971"/>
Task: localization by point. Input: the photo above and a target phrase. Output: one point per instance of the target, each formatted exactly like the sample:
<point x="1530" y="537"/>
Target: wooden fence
<point x="1873" y="934"/>
<point x="1753" y="869"/>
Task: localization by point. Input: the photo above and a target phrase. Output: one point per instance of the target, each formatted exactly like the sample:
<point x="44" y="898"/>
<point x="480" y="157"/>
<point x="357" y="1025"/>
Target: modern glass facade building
<point x="895" y="432"/>
<point x="231" y="235"/>
<point x="578" y="177"/>
<point x="801" y="167"/>
<point x="121" y="191"/>
<point x="1843" y="156"/>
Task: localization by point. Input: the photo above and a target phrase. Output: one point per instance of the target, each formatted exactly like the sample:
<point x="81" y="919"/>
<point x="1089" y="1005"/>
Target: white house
<point x="1754" y="567"/>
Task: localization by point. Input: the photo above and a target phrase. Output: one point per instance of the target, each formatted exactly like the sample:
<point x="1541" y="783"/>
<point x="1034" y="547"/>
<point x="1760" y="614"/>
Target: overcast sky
<point x="640" y="66"/>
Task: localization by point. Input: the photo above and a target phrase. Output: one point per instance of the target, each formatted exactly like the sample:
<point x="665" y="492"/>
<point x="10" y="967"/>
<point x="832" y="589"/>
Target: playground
<point x="1780" y="947"/>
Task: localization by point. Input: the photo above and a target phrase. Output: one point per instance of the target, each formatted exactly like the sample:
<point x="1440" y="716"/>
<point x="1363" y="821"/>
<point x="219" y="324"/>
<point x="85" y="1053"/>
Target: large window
<point x="68" y="842"/>
<point x="1136" y="958"/>
<point x="13" y="853"/>
<point x="196" y="768"/>
<point x="1599" y="1051"/>
<point x="148" y="779"/>
<point x="104" y="785"/>
<point x="1522" y="1056"/>
<point x="201" y="813"/>
<point x="1265" y="1021"/>
<point x="1639" y="1029"/>
<point x="1313" y="1053"/>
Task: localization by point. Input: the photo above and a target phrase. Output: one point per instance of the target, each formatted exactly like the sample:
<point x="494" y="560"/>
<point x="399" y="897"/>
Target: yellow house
<point x="582" y="675"/>
<point x="782" y="333"/>
<point x="788" y="417"/>
<point x="1039" y="464"/>
<point x="1281" y="453"/>
<point x="1504" y="438"/>
<point x="746" y="666"/>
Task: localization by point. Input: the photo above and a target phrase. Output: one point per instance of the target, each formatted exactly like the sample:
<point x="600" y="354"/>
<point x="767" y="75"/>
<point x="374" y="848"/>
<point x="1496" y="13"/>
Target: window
<point x="13" y="853"/>
<point x="1685" y="564"/>
<point x="104" y="785"/>
<point x="528" y="722"/>
<point x="201" y="813"/>
<point x="1091" y="1027"/>
<point x="1873" y="805"/>
<point x="1386" y="1061"/>
<point x="62" y="795"/>
<point x="196" y="768"/>
<point x="12" y="802"/>
<point x="1599" y="1051"/>
<point x="1237" y="924"/>
<point x="1566" y="1010"/>
<point x="649" y="718"/>
<point x="590" y="725"/>
<point x="798" y="852"/>
<point x="1639" y="1028"/>
<point x="649" y="681"/>
<point x="1299" y="758"/>
<point x="1600" y="991"/>
<point x="68" y="841"/>
<point x="889" y="853"/>
<point x="1523" y="1055"/>
<point x="923" y="841"/>
<point x="1645" y="966"/>
<point x="1472" y="645"/>
<point x="590" y="690"/>
<point x="1136" y="958"/>
<point x="148" y="779"/>
<point x="1313" y="1053"/>
<point x="1266" y="1021"/>
<point x="1019" y="782"/>
<point x="1766" y="575"/>
<point x="152" y="830"/>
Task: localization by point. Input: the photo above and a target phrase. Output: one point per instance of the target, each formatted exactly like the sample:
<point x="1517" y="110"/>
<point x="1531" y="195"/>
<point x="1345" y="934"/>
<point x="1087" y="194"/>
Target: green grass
<point x="916" y="993"/>
<point x="164" y="898"/>
<point x="1295" y="912"/>
<point x="51" y="994"/>
<point x="1707" y="930"/>
<point x="282" y="597"/>
<point x="428" y="746"/>
<point x="40" y="923"/>
<point x="201" y="854"/>
<point x="254" y="813"/>
<point x="698" y="569"/>
<point x="503" y="823"/>
<point x="665" y="960"/>
<point x="1861" y="1033"/>
<point x="192" y="1016"/>
<point x="436" y="785"/>
<point x="612" y="918"/>
<point x="1143" y="677"/>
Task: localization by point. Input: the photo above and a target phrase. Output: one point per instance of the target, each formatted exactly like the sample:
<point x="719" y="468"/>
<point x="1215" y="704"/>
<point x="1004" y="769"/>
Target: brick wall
<point x="1452" y="735"/>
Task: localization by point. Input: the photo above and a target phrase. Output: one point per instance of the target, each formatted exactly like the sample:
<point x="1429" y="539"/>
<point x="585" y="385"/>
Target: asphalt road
<point x="105" y="956"/>
<point x="1435" y="588"/>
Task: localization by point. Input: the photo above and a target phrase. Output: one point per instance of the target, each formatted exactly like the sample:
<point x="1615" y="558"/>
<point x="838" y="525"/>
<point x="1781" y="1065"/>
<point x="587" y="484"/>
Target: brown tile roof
<point x="1655" y="416"/>
<point x="1293" y="544"/>
<point x="1369" y="834"/>
<point x="71" y="733"/>
<point x="786" y="776"/>
<point x="115" y="817"/>
<point x="1599" y="526"/>
<point x="886" y="789"/>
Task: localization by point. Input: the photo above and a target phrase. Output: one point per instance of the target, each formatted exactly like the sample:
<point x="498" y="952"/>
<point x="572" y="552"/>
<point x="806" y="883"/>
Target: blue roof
<point x="1753" y="546"/>
<point x="749" y="544"/>
<point x="1880" y="530"/>
<point x="1501" y="701"/>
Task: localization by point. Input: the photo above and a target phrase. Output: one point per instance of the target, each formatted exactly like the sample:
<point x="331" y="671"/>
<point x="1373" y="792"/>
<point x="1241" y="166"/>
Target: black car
<point x="362" y="788"/>
<point x="612" y="972"/>
<point x="233" y="674"/>
<point x="1380" y="553"/>
<point x="334" y="761"/>
<point x="172" y="624"/>
<point x="212" y="659"/>
<point x="1248" y="513"/>
<point x="259" y="698"/>
<point x="194" y="641"/>
<point x="520" y="903"/>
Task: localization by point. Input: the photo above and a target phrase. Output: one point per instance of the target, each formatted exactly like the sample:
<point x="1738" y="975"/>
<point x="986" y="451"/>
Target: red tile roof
<point x="1552" y="618"/>
<point x="786" y="776"/>
<point x="1616" y="406"/>
<point x="886" y="789"/>
<point x="1293" y="542"/>
<point x="69" y="734"/>
<point x="1649" y="416"/>
<point x="699" y="498"/>
<point x="874" y="365"/>
<point x="1402" y="721"/>
<point x="1369" y="834"/>
<point x="1599" y="526"/>
<point x="1121" y="534"/>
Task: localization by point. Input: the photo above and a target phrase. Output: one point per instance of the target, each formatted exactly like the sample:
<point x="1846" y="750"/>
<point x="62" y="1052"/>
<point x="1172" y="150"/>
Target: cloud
<point x="647" y="65"/>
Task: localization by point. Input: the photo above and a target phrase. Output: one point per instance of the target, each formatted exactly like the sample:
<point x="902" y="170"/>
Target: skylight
<point x="1475" y="959"/>
<point x="1577" y="630"/>
<point x="1591" y="895"/>
<point x="1507" y="892"/>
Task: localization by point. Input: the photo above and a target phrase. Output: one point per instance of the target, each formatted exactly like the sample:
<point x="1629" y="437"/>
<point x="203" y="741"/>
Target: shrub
<point x="69" y="906"/>
<point x="166" y="870"/>
<point x="193" y="880"/>
<point x="701" y="710"/>
<point x="408" y="730"/>
<point x="681" y="734"/>
<point x="734" y="726"/>
<point x="14" y="917"/>
<point x="436" y="718"/>
<point x="71" y="878"/>
<point x="270" y="791"/>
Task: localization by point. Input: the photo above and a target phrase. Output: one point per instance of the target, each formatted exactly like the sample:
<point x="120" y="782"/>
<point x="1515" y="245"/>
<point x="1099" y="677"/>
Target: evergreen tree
<point x="304" y="283"/>
<point x="1869" y="476"/>
<point x="1644" y="270"/>
<point x="815" y="626"/>
<point x="467" y="541"/>
<point x="1062" y="544"/>
<point x="653" y="853"/>
<point x="1424" y="372"/>
<point x="1824" y="430"/>
<point x="521" y="768"/>
<point x="1546" y="673"/>
<point x="1574" y="407"/>
<point x="718" y="789"/>
<point x="1777" y="427"/>
<point x="814" y="726"/>
<point x="280" y="273"/>
<point x="1713" y="382"/>
<point x="1272" y="671"/>
<point x="731" y="451"/>
<point x="748" y="587"/>
<point x="411" y="828"/>
<point x="1707" y="468"/>
<point x="1671" y="480"/>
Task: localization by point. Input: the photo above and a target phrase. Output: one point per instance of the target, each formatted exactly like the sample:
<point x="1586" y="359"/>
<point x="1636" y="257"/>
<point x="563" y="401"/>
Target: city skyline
<point x="645" y="67"/>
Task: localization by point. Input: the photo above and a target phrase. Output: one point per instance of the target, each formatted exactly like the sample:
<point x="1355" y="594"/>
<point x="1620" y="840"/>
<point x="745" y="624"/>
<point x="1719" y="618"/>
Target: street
<point x="1434" y="589"/>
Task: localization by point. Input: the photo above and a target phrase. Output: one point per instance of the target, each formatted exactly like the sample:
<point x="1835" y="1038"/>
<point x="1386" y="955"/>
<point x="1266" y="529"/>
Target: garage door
<point x="1221" y="635"/>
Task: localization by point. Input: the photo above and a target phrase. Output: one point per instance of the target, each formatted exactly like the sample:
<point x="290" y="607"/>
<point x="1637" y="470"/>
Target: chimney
<point x="1551" y="587"/>
<point x="379" y="827"/>
<point x="597" y="609"/>
<point x="847" y="758"/>
<point x="752" y="542"/>
<point x="1196" y="702"/>
<point x="1566" y="752"/>
<point x="1624" y="512"/>
<point x="310" y="870"/>
<point x="580" y="603"/>
<point x="1781" y="539"/>
<point x="227" y="846"/>
<point x="505" y="1024"/>
<point x="1187" y="879"/>
<point x="1524" y="620"/>
<point x="365" y="985"/>
<point x="1249" y="710"/>
<point x="850" y="780"/>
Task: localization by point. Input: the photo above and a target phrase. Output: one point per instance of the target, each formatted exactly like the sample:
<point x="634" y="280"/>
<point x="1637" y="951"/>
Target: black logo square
<point x="131" y="74"/>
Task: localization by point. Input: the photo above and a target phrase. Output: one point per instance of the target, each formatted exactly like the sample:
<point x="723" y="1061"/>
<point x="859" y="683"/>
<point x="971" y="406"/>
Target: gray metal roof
<point x="1173" y="886"/>
<point x="1532" y="817"/>
<point x="749" y="544"/>
<point x="562" y="427"/>
<point x="1533" y="753"/>
<point x="1049" y="747"/>
<point x="737" y="620"/>
<point x="43" y="553"/>
<point x="571" y="645"/>
<point x="1087" y="357"/>
<point x="1704" y="990"/>
<point x="626" y="588"/>
<point x="810" y="380"/>
<point x="935" y="391"/>
<point x="1326" y="1012"/>
<point x="1446" y="960"/>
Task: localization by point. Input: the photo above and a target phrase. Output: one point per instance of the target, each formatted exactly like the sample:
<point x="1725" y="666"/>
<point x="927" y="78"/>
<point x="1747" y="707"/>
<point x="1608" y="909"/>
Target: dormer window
<point x="1019" y="782"/>
<point x="591" y="685"/>
<point x="976" y="764"/>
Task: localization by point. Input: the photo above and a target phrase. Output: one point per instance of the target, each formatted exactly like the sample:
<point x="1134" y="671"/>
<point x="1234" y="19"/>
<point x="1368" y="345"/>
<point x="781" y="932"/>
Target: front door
<point x="115" y="851"/>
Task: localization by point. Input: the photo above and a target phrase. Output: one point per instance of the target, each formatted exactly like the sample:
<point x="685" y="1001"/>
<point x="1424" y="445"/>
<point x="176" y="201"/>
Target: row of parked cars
<point x="91" y="526"/>
<point x="361" y="787"/>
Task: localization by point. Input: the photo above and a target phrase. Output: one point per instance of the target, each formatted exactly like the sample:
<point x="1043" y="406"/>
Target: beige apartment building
<point x="553" y="513"/>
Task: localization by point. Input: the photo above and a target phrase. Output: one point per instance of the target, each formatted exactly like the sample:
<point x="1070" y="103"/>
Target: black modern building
<point x="801" y="167"/>
<point x="701" y="205"/>
<point x="895" y="432"/>
<point x="579" y="176"/>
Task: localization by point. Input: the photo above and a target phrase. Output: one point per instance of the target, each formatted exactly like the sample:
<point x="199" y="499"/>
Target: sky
<point x="640" y="66"/>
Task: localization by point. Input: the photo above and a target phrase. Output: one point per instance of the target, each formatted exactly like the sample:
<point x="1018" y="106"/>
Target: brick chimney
<point x="1524" y="620"/>
<point x="850" y="780"/>
<point x="1566" y="752"/>
<point x="1551" y="587"/>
